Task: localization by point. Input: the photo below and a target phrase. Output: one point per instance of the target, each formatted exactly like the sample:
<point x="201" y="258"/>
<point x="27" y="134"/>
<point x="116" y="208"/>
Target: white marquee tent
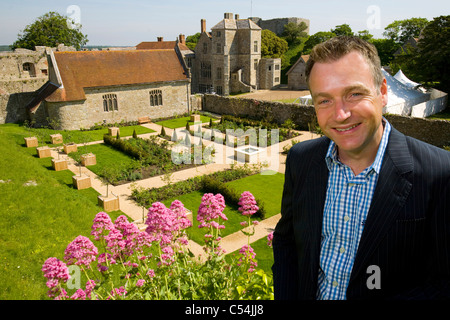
<point x="400" y="76"/>
<point x="402" y="97"/>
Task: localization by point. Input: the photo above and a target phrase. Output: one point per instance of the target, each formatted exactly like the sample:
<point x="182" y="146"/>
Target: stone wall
<point x="133" y="103"/>
<point x="277" y="25"/>
<point x="435" y="132"/>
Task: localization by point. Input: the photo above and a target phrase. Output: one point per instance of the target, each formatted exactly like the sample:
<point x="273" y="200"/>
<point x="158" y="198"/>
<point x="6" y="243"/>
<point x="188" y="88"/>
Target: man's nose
<point x="341" y="111"/>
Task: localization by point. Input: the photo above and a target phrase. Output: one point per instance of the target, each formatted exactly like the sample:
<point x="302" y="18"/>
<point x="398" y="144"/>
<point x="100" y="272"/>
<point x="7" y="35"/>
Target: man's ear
<point x="384" y="92"/>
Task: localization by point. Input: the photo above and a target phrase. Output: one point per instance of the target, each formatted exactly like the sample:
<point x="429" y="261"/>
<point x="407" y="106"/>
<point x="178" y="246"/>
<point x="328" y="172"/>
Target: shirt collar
<point x="333" y="158"/>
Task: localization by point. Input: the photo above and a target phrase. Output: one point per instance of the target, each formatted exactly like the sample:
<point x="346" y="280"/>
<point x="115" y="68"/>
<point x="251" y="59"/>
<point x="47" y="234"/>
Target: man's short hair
<point x="337" y="47"/>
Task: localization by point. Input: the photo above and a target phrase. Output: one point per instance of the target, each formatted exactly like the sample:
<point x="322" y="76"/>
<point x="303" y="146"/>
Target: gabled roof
<point x="152" y="45"/>
<point x="236" y="24"/>
<point x="302" y="59"/>
<point x="90" y="69"/>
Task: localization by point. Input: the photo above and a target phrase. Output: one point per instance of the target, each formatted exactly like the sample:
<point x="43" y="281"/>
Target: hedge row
<point x="212" y="183"/>
<point x="124" y="146"/>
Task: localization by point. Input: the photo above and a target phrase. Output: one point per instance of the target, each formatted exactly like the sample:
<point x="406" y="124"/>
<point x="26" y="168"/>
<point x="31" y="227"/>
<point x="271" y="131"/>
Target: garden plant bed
<point x="241" y="128"/>
<point x="126" y="160"/>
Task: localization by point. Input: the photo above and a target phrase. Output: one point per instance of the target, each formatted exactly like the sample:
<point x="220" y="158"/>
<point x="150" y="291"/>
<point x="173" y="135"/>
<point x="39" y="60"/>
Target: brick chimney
<point x="202" y="25"/>
<point x="160" y="39"/>
<point x="236" y="17"/>
<point x="182" y="38"/>
<point x="228" y="15"/>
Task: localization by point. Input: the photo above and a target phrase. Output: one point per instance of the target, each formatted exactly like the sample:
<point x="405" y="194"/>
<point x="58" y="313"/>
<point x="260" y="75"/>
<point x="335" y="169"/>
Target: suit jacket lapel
<point x="316" y="187"/>
<point x="390" y="194"/>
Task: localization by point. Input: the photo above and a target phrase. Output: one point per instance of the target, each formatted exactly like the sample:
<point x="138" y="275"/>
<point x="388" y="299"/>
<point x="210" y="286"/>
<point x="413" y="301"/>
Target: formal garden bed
<point x="122" y="161"/>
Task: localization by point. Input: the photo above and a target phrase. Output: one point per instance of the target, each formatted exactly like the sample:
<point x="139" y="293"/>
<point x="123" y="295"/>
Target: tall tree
<point x="401" y="30"/>
<point x="430" y="61"/>
<point x="316" y="38"/>
<point x="342" y="30"/>
<point x="272" y="46"/>
<point x="293" y="32"/>
<point x="191" y="41"/>
<point x="50" y="30"/>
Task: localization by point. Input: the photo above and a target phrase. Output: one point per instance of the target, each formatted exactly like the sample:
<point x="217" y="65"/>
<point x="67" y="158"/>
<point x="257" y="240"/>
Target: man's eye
<point x="355" y="95"/>
<point x="322" y="102"/>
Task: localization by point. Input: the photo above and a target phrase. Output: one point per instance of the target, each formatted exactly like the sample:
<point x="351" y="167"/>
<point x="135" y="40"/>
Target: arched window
<point x="110" y="102"/>
<point x="156" y="98"/>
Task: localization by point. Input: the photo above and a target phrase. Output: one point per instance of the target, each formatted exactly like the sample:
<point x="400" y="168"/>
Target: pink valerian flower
<point x="211" y="208"/>
<point x="247" y="204"/>
<point x="181" y="212"/>
<point x="164" y="224"/>
<point x="105" y="259"/>
<point x="117" y="292"/>
<point x="270" y="239"/>
<point x="81" y="294"/>
<point x="80" y="251"/>
<point x="140" y="283"/>
<point x="115" y="243"/>
<point x="161" y="223"/>
<point x="247" y="257"/>
<point x="55" y="269"/>
<point x="135" y="240"/>
<point x="151" y="273"/>
<point x="167" y="256"/>
<point x="56" y="273"/>
<point x="101" y="226"/>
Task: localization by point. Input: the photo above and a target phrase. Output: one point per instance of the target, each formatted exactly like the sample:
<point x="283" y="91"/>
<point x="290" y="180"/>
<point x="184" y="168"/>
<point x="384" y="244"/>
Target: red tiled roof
<point x="87" y="69"/>
<point x="149" y="45"/>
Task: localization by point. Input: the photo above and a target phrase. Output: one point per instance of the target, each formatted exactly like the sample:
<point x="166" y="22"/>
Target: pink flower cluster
<point x="101" y="226"/>
<point x="270" y="239"/>
<point x="211" y="208"/>
<point x="81" y="294"/>
<point x="248" y="256"/>
<point x="247" y="204"/>
<point x="164" y="224"/>
<point x="56" y="273"/>
<point x="80" y="252"/>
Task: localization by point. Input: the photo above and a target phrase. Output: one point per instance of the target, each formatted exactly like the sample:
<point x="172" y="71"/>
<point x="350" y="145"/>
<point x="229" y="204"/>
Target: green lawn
<point x="106" y="156"/>
<point x="268" y="188"/>
<point x="37" y="222"/>
<point x="181" y="122"/>
<point x="77" y="136"/>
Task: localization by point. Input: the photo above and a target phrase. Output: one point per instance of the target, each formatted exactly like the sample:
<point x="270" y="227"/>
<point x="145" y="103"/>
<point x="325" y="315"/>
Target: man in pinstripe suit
<point x="365" y="209"/>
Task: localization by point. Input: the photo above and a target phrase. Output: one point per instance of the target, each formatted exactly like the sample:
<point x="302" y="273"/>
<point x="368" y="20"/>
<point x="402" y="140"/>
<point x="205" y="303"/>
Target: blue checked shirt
<point x="347" y="202"/>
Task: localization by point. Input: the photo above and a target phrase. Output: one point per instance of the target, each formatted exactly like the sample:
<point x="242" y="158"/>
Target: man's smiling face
<point x="348" y="105"/>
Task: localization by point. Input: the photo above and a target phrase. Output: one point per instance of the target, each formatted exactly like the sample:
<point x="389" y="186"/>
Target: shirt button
<point x="335" y="283"/>
<point x="346" y="218"/>
<point x="342" y="250"/>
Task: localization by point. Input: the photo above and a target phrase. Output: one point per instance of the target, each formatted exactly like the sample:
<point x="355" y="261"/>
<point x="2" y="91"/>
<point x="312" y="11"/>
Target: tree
<point x="365" y="35"/>
<point x="401" y="30"/>
<point x="272" y="46"/>
<point x="430" y="61"/>
<point x="293" y="31"/>
<point x="191" y="41"/>
<point x="386" y="49"/>
<point x="50" y="30"/>
<point x="317" y="38"/>
<point x="342" y="30"/>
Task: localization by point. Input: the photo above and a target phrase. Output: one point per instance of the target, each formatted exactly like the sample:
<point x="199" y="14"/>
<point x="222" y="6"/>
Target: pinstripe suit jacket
<point x="406" y="234"/>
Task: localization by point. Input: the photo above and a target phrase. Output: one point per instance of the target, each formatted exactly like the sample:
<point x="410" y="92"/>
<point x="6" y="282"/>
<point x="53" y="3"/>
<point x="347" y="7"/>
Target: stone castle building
<point x="228" y="59"/>
<point x="277" y="25"/>
<point x="93" y="87"/>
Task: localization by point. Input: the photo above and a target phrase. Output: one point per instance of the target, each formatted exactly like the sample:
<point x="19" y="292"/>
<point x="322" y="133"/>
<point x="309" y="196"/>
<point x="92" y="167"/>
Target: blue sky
<point x="127" y="23"/>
